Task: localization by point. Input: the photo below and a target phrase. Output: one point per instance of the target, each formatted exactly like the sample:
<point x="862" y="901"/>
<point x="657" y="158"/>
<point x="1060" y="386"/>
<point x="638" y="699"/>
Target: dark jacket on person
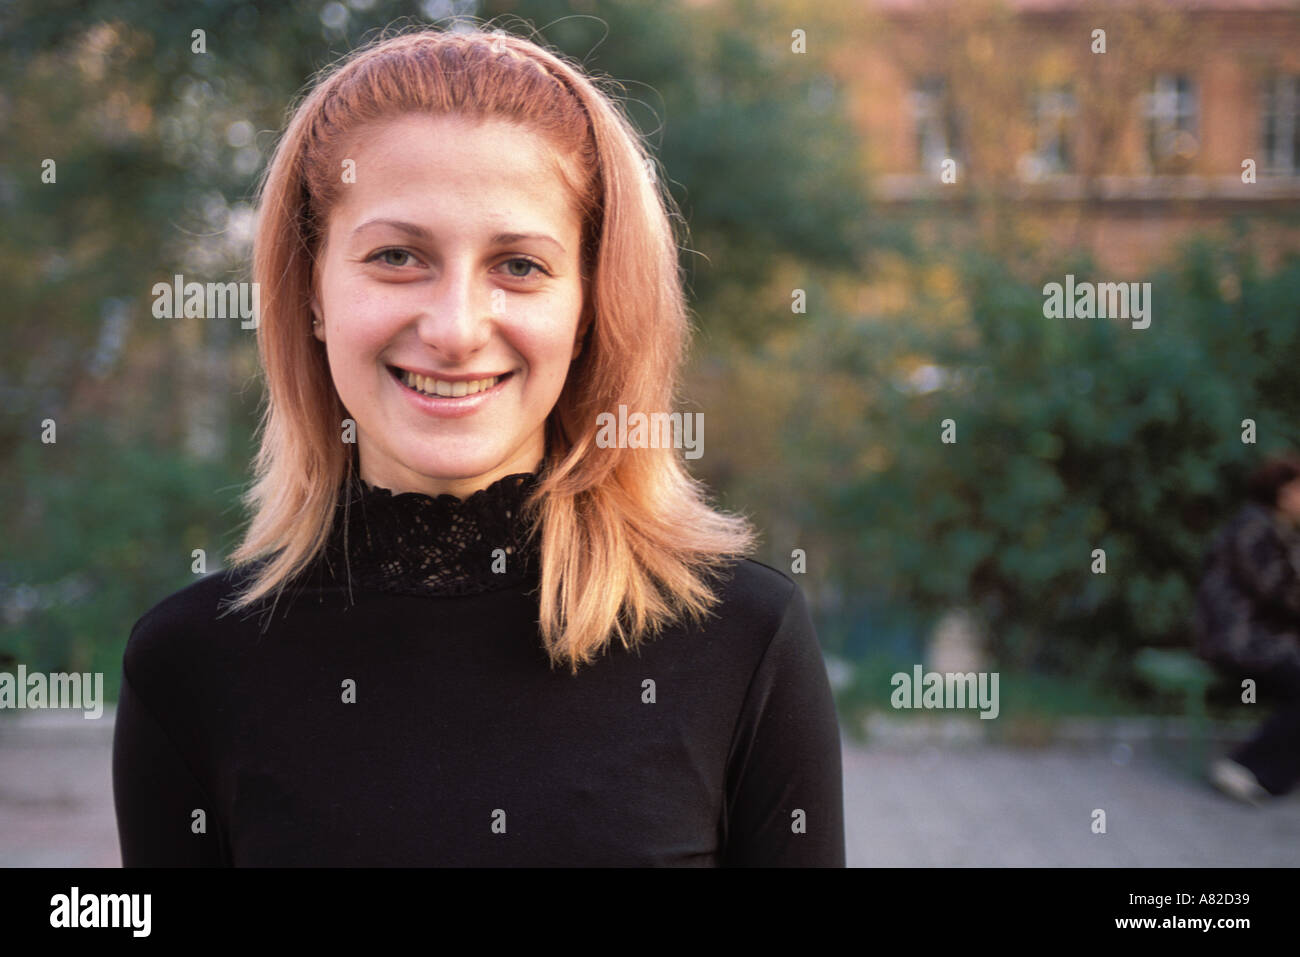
<point x="1248" y="602"/>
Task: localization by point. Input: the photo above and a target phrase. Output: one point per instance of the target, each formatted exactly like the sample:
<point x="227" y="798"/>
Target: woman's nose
<point x="457" y="318"/>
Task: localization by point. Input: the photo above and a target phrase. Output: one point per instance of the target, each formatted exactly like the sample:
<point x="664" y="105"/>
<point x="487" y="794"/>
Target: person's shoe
<point x="1237" y="781"/>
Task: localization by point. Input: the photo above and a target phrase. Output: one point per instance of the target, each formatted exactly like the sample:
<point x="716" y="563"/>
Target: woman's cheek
<point x="372" y="320"/>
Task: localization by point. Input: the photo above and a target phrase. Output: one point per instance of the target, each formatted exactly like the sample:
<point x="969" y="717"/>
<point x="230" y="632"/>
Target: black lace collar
<point x="419" y="544"/>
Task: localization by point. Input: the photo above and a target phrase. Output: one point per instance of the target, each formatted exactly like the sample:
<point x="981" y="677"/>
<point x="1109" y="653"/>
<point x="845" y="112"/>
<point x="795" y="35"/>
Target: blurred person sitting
<point x="1247" y="624"/>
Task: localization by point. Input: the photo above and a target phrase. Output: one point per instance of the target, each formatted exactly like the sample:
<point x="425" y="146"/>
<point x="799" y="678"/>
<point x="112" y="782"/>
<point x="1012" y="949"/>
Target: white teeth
<point x="431" y="386"/>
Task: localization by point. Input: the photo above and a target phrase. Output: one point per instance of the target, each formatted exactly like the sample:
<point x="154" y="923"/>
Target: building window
<point x="1171" y="123"/>
<point x="1053" y="118"/>
<point x="935" y="119"/>
<point x="1280" y="113"/>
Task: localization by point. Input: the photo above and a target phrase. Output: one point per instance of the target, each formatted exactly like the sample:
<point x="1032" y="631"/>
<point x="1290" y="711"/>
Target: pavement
<point x="908" y="802"/>
<point x="991" y="806"/>
<point x="56" y="791"/>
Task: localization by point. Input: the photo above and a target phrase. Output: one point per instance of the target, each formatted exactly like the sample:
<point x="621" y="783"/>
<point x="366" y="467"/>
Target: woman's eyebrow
<point x="419" y="232"/>
<point x="412" y="229"/>
<point x="505" y="239"/>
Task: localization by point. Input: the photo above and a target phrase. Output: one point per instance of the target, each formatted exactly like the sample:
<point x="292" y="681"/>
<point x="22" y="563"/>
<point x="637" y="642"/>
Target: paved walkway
<point x="999" y="807"/>
<point x="914" y="805"/>
<point x="56" y="791"/>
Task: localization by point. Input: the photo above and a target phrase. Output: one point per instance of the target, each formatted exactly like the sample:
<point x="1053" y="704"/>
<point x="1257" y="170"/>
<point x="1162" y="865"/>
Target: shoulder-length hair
<point x="628" y="541"/>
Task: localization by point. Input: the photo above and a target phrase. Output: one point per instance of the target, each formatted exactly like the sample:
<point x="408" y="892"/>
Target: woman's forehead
<point x="429" y="179"/>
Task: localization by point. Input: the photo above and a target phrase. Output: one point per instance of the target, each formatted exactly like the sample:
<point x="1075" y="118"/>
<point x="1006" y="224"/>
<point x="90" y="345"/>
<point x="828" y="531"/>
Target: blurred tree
<point x="1071" y="435"/>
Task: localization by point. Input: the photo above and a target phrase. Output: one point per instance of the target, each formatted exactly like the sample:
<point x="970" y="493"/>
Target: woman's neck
<point x="398" y="479"/>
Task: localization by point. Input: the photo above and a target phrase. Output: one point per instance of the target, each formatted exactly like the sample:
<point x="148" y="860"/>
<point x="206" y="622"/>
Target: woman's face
<point x="453" y="257"/>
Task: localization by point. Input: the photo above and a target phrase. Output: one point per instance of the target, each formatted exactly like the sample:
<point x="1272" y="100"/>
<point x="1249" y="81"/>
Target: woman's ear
<point x="317" y="322"/>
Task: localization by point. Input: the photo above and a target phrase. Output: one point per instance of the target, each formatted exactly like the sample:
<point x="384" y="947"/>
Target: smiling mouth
<point x="441" y="388"/>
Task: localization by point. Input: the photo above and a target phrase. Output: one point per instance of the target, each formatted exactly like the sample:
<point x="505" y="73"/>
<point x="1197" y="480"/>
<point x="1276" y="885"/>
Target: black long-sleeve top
<point x="400" y="711"/>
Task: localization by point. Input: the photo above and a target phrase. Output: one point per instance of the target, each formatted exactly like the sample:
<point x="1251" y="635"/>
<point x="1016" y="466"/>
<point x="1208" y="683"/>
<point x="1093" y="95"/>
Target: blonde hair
<point x="627" y="539"/>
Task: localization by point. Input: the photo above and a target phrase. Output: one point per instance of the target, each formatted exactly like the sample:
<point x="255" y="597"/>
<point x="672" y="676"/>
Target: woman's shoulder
<point x="748" y="579"/>
<point x="187" y="616"/>
<point x="761" y="599"/>
<point x="200" y="599"/>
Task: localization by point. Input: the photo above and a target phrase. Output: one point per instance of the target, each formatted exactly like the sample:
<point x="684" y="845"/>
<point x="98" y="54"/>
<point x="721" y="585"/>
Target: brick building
<point x="1119" y="127"/>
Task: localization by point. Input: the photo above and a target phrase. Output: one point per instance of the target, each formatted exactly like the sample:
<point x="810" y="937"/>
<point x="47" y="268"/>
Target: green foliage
<point x="1072" y="434"/>
<point x="106" y="530"/>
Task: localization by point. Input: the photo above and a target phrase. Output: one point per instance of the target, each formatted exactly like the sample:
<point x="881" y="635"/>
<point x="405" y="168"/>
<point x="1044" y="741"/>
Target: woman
<point x="1248" y="625"/>
<point x="464" y="261"/>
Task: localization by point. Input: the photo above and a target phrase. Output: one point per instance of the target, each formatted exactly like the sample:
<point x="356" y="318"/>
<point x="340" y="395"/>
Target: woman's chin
<point x="437" y="468"/>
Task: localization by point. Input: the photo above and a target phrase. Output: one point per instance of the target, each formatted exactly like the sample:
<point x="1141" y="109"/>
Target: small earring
<point x="315" y="323"/>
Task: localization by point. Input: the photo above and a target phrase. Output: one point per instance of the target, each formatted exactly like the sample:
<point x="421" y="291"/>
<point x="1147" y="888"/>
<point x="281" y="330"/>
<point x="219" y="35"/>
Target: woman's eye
<point x="517" y="268"/>
<point x="386" y="255"/>
<point x="527" y="263"/>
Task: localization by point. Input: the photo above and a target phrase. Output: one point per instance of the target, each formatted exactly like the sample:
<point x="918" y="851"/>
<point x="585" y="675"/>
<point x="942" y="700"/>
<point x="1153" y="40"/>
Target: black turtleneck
<point x="397" y="708"/>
